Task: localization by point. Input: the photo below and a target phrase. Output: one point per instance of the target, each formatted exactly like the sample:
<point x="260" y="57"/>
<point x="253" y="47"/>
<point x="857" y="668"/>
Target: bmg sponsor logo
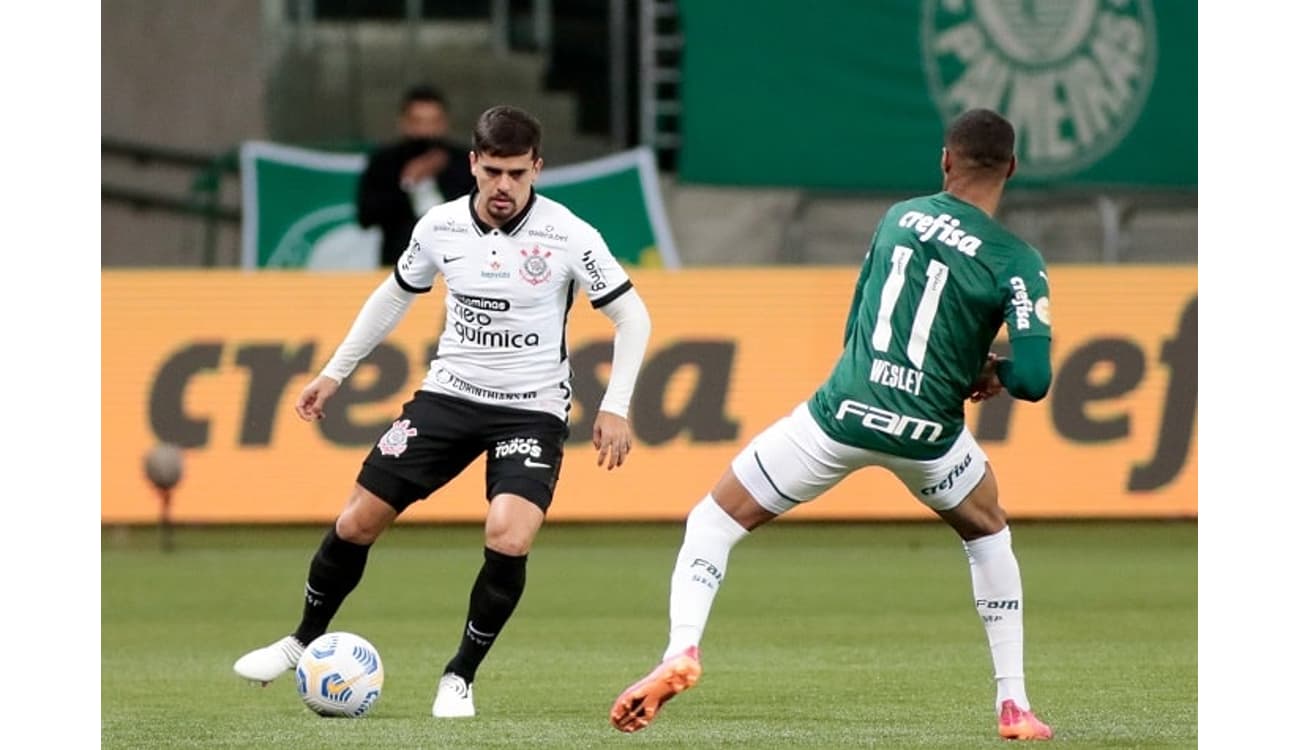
<point x="593" y="271"/>
<point x="408" y="257"/>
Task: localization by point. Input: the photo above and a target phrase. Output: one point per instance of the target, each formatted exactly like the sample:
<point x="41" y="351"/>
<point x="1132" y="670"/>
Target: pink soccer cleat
<point x="1016" y="723"/>
<point x="634" y="709"/>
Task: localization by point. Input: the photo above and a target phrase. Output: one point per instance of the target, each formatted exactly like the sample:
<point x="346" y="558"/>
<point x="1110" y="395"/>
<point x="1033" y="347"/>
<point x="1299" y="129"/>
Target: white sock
<point x="701" y="565"/>
<point x="999" y="601"/>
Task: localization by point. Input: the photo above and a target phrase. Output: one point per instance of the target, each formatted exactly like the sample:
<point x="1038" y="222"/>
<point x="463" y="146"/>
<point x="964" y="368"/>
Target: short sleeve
<point x="596" y="269"/>
<point x="1026" y="297"/>
<point x="415" y="270"/>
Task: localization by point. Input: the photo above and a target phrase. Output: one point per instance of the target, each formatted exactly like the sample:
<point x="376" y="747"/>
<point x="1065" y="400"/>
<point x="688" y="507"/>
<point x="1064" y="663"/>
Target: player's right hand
<point x="988" y="384"/>
<point x="311" y="403"/>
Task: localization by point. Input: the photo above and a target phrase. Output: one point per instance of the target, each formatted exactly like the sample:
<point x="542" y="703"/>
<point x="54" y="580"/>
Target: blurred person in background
<point x="405" y="178"/>
<point x="513" y="262"/>
<point x="940" y="278"/>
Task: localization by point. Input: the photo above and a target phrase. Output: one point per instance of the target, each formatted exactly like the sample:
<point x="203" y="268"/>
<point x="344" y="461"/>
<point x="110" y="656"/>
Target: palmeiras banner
<point x="300" y="212"/>
<point x="852" y="95"/>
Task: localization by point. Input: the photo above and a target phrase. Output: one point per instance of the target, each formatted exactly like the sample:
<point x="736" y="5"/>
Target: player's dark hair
<point x="423" y="92"/>
<point x="507" y="131"/>
<point x="982" y="139"/>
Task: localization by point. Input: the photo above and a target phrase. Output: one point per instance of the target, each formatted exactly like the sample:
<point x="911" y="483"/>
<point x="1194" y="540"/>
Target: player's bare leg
<point x="995" y="578"/>
<point x="713" y="527"/>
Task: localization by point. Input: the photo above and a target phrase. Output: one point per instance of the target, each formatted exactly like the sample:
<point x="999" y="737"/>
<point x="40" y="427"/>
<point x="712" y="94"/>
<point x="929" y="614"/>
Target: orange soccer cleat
<point x="634" y="709"/>
<point x="1016" y="723"/>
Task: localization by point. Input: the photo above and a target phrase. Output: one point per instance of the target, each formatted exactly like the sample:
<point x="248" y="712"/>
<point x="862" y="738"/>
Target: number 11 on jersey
<point x="936" y="277"/>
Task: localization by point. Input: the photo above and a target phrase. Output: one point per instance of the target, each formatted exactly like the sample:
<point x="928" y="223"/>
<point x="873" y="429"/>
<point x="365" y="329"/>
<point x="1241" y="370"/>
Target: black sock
<point x="496" y="591"/>
<point x="335" y="570"/>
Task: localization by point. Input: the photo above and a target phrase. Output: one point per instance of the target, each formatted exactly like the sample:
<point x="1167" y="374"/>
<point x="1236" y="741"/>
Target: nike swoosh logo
<point x="446" y="259"/>
<point x="476" y="631"/>
<point x="530" y="463"/>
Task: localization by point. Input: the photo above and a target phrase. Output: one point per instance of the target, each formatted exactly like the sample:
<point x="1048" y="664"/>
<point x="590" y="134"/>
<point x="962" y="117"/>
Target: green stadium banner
<point x="299" y="210"/>
<point x="852" y="95"/>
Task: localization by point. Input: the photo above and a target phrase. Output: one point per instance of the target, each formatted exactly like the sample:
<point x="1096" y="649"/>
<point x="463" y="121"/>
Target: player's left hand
<point x="612" y="436"/>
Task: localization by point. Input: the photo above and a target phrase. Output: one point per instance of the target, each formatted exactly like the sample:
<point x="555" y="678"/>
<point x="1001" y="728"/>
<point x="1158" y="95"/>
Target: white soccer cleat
<point x="455" y="698"/>
<point x="265" y="664"/>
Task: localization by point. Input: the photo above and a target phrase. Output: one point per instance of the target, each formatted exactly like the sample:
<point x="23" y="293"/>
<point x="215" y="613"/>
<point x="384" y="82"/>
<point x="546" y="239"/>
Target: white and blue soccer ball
<point x="340" y="674"/>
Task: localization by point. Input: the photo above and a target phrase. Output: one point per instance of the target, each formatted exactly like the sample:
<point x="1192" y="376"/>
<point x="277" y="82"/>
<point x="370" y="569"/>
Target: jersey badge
<point x="535" y="270"/>
<point x="393" y="443"/>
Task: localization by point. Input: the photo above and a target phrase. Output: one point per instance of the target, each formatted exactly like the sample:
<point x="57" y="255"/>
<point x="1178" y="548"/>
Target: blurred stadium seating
<point x="312" y="72"/>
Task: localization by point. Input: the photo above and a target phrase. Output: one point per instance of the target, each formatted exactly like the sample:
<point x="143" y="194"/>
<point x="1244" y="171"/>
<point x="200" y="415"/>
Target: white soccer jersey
<point x="509" y="291"/>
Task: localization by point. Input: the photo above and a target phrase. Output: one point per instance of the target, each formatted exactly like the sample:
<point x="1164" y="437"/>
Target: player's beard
<point x="498" y="213"/>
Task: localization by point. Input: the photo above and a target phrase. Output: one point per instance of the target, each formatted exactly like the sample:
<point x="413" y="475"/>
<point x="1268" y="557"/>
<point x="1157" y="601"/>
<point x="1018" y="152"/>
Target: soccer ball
<point x="340" y="674"/>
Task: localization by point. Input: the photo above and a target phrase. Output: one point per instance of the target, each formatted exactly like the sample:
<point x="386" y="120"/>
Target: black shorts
<point x="438" y="436"/>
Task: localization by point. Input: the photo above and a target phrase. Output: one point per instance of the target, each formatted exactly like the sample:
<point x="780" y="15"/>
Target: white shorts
<point x="794" y="461"/>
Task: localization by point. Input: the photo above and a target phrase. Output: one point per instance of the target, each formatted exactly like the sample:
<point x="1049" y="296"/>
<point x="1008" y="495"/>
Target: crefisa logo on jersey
<point x="535" y="270"/>
<point x="1020" y="300"/>
<point x="393" y="443"/>
<point x="1072" y="76"/>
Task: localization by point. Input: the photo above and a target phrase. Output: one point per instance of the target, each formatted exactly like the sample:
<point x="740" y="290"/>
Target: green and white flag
<point x="299" y="208"/>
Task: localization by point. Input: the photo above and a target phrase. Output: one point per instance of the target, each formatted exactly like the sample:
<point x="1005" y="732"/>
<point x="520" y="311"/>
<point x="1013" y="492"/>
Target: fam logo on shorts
<point x="393" y="443"/>
<point x="535" y="269"/>
<point x="1072" y="76"/>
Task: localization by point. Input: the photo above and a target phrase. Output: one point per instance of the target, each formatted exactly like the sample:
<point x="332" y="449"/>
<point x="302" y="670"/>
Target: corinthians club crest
<point x="393" y="443"/>
<point x="1072" y="76"/>
<point x="535" y="270"/>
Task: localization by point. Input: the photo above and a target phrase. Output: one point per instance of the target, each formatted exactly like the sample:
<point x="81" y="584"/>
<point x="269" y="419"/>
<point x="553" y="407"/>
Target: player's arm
<point x="1027" y="374"/>
<point x="631" y="336"/>
<point x="383" y="309"/>
<point x="611" y="433"/>
<point x="377" y="318"/>
<point x="610" y="291"/>
<point x="379" y="315"/>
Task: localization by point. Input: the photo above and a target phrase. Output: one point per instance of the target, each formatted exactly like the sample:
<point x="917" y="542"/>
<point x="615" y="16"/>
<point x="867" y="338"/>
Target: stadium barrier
<point x="213" y="362"/>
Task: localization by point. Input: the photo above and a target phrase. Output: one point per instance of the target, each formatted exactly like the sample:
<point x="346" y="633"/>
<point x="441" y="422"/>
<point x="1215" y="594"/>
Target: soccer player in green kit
<point x="940" y="278"/>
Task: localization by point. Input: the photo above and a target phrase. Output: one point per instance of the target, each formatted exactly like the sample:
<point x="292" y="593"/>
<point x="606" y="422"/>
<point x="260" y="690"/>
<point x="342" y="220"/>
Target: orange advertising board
<point x="213" y="362"/>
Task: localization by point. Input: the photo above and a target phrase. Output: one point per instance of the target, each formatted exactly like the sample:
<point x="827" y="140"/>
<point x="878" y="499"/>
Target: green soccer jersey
<point x="938" y="281"/>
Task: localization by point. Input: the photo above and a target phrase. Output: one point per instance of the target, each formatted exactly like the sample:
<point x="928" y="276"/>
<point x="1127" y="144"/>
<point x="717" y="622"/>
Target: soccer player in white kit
<point x="512" y="262"/>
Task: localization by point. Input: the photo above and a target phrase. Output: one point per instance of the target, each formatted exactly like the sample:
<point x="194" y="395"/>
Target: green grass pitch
<point x="822" y="636"/>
